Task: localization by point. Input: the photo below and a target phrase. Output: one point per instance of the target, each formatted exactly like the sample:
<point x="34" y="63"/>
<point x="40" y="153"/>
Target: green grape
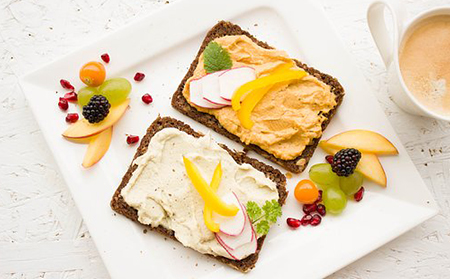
<point x="116" y="90"/>
<point x="334" y="200"/>
<point x="85" y="94"/>
<point x="351" y="184"/>
<point x="322" y="175"/>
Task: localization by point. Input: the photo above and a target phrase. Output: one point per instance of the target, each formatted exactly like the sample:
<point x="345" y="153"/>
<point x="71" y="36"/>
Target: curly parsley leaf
<point x="265" y="217"/>
<point x="216" y="58"/>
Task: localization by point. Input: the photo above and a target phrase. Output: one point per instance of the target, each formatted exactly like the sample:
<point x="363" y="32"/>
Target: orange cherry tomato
<point x="93" y="73"/>
<point x="306" y="192"/>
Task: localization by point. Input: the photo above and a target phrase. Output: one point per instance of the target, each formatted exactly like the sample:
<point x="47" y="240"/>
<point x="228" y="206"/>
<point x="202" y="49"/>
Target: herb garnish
<point x="265" y="217"/>
<point x="216" y="58"/>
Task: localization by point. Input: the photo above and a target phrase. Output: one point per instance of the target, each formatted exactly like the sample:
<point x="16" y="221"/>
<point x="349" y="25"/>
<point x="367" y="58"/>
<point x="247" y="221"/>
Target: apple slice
<point x="83" y="129"/>
<point x="244" y="250"/>
<point x="196" y="95"/>
<point x="98" y="146"/>
<point x="211" y="89"/>
<point x="369" y="165"/>
<point x="364" y="141"/>
<point x="234" y="225"/>
<point x="233" y="242"/>
<point x="232" y="79"/>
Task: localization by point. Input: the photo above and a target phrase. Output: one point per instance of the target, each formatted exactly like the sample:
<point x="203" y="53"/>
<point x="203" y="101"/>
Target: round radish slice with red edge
<point x="211" y="89"/>
<point x="242" y="251"/>
<point x="196" y="95"/>
<point x="231" y="80"/>
<point x="233" y="242"/>
<point x="233" y="225"/>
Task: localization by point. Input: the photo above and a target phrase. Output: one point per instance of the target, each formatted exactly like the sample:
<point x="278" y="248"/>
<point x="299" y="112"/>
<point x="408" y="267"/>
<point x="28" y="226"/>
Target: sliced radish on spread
<point x="242" y="251"/>
<point x="211" y="89"/>
<point x="233" y="242"/>
<point x="234" y="225"/>
<point x="232" y="79"/>
<point x="196" y="95"/>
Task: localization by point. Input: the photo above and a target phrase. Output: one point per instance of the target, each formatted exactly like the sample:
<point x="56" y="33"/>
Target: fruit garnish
<point x="352" y="183"/>
<point x="265" y="217"/>
<point x="116" y="90"/>
<point x="85" y="94"/>
<point x="84" y="129"/>
<point x="93" y="73"/>
<point x="207" y="211"/>
<point x="66" y="84"/>
<point x="71" y="96"/>
<point x="321" y="209"/>
<point x="359" y="195"/>
<point x="364" y="141"/>
<point x="139" y="76"/>
<point x="97" y="109"/>
<point x="105" y="57"/>
<point x="268" y="80"/>
<point x="306" y="192"/>
<point x="293" y="223"/>
<point x="216" y="58"/>
<point x="98" y="146"/>
<point x="334" y="200"/>
<point x="369" y="165"/>
<point x="146" y="98"/>
<point x="323" y="175"/>
<point x="309" y="208"/>
<point x="306" y="220"/>
<point x="131" y="139"/>
<point x="207" y="194"/>
<point x="345" y="161"/>
<point x="63" y="104"/>
<point x="72" y="117"/>
<point x="329" y="159"/>
<point x="316" y="220"/>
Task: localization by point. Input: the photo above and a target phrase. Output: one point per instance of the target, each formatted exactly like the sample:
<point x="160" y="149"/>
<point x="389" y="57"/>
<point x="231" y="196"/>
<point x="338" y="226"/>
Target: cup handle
<point x="386" y="43"/>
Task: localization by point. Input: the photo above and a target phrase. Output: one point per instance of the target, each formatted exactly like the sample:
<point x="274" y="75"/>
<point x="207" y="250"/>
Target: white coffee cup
<point x="389" y="46"/>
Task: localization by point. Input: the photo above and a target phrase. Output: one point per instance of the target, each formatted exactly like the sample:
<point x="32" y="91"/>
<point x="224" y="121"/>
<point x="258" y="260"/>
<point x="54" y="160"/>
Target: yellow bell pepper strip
<point x="279" y="76"/>
<point x="248" y="104"/>
<point x="207" y="211"/>
<point x="211" y="199"/>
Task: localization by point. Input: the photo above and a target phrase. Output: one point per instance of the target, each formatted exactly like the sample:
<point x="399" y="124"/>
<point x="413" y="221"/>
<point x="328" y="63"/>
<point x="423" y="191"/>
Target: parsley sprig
<point x="263" y="217"/>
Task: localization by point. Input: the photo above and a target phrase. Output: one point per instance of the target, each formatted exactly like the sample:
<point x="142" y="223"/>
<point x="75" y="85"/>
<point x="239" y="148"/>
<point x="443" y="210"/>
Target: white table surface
<point x="42" y="235"/>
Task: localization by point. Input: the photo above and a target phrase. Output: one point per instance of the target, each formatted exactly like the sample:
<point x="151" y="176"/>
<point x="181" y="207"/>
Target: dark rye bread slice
<point x="120" y="206"/>
<point x="180" y="103"/>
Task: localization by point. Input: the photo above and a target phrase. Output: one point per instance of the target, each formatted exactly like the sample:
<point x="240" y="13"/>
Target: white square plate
<point x="162" y="46"/>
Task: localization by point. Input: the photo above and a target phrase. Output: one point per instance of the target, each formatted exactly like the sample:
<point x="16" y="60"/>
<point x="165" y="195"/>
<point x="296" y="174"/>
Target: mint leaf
<point x="272" y="210"/>
<point x="216" y="58"/>
<point x="262" y="227"/>
<point x="254" y="211"/>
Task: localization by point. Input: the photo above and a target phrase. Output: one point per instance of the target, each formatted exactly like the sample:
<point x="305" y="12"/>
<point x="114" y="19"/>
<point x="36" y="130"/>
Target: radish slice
<point x="234" y="225"/>
<point x="211" y="89"/>
<point x="242" y="251"/>
<point x="233" y="242"/>
<point x="232" y="79"/>
<point x="196" y="95"/>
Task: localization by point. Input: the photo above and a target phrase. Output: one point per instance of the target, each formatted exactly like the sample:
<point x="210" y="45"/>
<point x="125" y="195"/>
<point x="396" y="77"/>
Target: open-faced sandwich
<point x="254" y="94"/>
<point x="186" y="186"/>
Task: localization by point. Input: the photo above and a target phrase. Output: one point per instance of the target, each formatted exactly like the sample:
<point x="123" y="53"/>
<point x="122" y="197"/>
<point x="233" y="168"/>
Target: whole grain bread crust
<point x="180" y="103"/>
<point x="120" y="206"/>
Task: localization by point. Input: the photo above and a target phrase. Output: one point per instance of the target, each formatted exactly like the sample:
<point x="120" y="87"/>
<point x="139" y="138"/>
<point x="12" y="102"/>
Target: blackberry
<point x="97" y="109"/>
<point x="345" y="161"/>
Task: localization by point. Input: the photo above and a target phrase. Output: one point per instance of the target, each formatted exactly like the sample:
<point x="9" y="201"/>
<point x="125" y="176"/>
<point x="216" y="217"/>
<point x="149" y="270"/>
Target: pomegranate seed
<point x="139" y="76"/>
<point x="309" y="208"/>
<point x="132" y="139"/>
<point x="71" y="96"/>
<point x="306" y="220"/>
<point x="63" y="104"/>
<point x="316" y="219"/>
<point x="329" y="159"/>
<point x="146" y="98"/>
<point x="321" y="209"/>
<point x="319" y="198"/>
<point x="66" y="84"/>
<point x="72" y="117"/>
<point x="293" y="223"/>
<point x="359" y="195"/>
<point x="105" y="57"/>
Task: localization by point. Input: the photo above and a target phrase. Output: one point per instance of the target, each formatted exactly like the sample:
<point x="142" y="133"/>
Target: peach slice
<point x="369" y="165"/>
<point x="364" y="141"/>
<point x="83" y="129"/>
<point x="97" y="147"/>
